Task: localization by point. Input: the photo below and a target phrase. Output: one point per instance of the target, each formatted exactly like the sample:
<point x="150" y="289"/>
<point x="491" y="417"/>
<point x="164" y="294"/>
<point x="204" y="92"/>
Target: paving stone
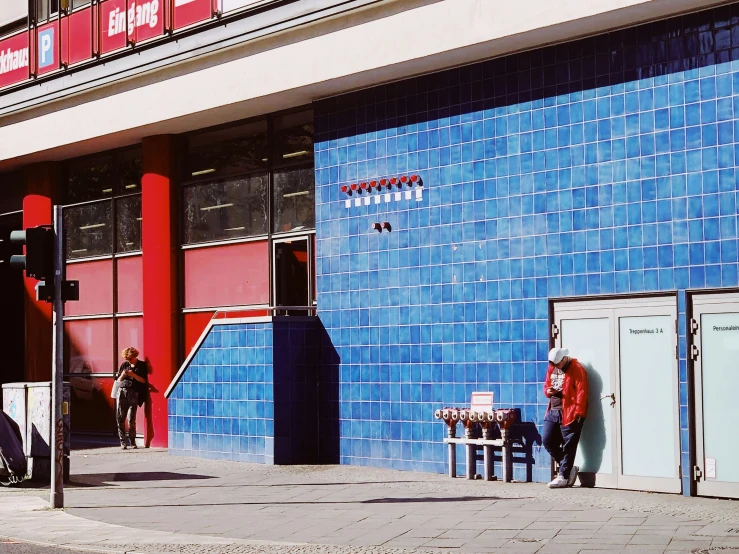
<point x="338" y="505"/>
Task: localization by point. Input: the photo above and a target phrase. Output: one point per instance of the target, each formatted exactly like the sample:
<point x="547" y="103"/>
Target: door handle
<point x="612" y="396"/>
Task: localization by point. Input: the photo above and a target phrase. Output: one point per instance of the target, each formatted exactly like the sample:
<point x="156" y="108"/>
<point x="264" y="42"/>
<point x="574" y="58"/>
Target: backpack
<point x="13" y="463"/>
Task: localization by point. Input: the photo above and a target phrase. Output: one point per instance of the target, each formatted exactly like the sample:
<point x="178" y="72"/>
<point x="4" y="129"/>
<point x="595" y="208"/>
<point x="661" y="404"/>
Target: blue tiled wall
<point x="605" y="165"/>
<point x="251" y="393"/>
<point x="223" y="406"/>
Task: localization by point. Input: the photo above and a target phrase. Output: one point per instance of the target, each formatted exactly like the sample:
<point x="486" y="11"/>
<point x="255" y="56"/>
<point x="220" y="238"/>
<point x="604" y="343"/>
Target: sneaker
<point x="573" y="475"/>
<point x="134" y="446"/>
<point x="124" y="447"/>
<point x="559" y="482"/>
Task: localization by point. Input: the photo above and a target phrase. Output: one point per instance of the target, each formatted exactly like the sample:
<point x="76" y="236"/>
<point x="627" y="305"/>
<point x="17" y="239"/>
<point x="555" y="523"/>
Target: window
<point x="103" y="176"/>
<point x="88" y="230"/>
<point x="128" y="223"/>
<point x="227" y="209"/>
<point x="103" y="212"/>
<point x="89" y="178"/>
<point x="293" y="138"/>
<point x="46" y="8"/>
<point x="227" y="151"/>
<point x="294" y="198"/>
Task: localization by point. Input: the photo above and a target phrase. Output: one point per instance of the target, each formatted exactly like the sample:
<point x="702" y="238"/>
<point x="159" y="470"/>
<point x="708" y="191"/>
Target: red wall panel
<point x="90" y="345"/>
<point x="194" y="324"/>
<point x="96" y="287"/>
<point x="230" y="275"/>
<point x="130" y="284"/>
<point x="130" y="333"/>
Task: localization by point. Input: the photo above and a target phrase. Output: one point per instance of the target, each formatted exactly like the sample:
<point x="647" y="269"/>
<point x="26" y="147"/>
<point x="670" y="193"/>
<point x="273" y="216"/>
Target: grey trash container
<point x="31" y="404"/>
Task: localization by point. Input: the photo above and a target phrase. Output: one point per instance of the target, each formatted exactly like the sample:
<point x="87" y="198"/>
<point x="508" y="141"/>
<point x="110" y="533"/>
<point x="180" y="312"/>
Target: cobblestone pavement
<point x="148" y="501"/>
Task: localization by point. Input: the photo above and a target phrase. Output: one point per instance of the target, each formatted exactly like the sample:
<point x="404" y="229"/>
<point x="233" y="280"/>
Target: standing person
<point x="132" y="392"/>
<point x="566" y="387"/>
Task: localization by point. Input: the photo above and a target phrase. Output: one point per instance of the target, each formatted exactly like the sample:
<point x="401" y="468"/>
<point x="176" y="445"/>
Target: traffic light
<point x="38" y="261"/>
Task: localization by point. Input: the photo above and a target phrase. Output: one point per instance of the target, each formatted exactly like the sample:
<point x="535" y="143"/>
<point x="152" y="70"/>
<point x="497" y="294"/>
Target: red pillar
<point x="40" y="190"/>
<point x="159" y="245"/>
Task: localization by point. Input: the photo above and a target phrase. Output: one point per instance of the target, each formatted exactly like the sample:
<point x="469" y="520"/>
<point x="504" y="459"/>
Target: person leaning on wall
<point x="566" y="387"/>
<point x="133" y="390"/>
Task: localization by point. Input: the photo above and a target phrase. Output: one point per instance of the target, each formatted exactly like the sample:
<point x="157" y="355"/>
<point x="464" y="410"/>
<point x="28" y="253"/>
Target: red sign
<point x="113" y="25"/>
<point x="136" y="20"/>
<point x="77" y="37"/>
<point x="47" y="48"/>
<point x="187" y="12"/>
<point x="147" y="16"/>
<point x="14" y="59"/>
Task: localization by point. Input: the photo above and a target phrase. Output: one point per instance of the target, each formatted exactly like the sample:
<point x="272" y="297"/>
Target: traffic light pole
<point x="57" y="368"/>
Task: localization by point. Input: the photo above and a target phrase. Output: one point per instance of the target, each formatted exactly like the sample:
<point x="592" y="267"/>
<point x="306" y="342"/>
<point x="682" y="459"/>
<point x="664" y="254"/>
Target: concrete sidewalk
<point x="147" y="501"/>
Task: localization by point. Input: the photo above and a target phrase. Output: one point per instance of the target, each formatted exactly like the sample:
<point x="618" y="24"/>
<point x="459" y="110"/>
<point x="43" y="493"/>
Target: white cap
<point x="556" y="355"/>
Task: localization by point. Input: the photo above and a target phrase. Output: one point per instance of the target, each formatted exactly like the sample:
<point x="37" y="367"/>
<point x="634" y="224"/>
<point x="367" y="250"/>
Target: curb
<point x="70" y="548"/>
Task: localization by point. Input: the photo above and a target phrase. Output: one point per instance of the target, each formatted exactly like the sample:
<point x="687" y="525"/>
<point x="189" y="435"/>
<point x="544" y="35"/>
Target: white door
<point x="589" y="338"/>
<point x="628" y="347"/>
<point x="649" y="406"/>
<point x="716" y="357"/>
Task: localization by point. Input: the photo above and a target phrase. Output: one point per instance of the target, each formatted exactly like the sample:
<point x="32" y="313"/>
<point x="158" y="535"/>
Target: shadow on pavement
<point x="403" y="500"/>
<point x="98" y="479"/>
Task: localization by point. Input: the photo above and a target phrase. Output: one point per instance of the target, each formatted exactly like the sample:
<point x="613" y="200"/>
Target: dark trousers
<point x="126" y="413"/>
<point x="561" y="440"/>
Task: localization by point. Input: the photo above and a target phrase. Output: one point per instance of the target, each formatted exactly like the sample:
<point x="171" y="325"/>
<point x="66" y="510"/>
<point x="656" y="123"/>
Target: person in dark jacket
<point x="566" y="387"/>
<point x="132" y="393"/>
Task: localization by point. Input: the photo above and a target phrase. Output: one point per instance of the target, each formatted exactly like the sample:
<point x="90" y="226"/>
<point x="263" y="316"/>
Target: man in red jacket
<point x="566" y="387"/>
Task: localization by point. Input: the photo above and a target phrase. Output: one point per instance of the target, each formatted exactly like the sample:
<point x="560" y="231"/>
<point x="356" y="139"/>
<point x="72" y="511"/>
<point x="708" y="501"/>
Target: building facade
<point x="321" y="221"/>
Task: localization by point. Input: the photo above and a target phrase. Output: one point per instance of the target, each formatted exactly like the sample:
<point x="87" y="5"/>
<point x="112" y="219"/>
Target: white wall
<point x="12" y="10"/>
<point x="333" y="56"/>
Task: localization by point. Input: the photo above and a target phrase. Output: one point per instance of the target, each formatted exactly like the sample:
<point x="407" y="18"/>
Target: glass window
<point x="79" y="3"/>
<point x="233" y="150"/>
<point x="293" y="137"/>
<point x="89" y="230"/>
<point x="45" y="8"/>
<point x="228" y="209"/>
<point x="294" y="199"/>
<point x="128" y="223"/>
<point x="129" y="170"/>
<point x="90" y="178"/>
<point x="104" y="175"/>
<point x="11" y="199"/>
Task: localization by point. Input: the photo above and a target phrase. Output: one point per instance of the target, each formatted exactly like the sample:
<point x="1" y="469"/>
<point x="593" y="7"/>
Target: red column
<point x="159" y="245"/>
<point x="40" y="189"/>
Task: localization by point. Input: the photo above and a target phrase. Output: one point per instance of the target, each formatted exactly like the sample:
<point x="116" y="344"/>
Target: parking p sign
<point x="46" y="48"/>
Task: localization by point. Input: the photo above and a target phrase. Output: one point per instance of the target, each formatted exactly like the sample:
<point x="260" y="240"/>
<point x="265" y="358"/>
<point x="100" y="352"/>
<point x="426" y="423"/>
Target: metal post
<point x="507" y="455"/>
<point x="452" y="459"/>
<point x="471" y="461"/>
<point x="487" y="456"/>
<point x="57" y="368"/>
